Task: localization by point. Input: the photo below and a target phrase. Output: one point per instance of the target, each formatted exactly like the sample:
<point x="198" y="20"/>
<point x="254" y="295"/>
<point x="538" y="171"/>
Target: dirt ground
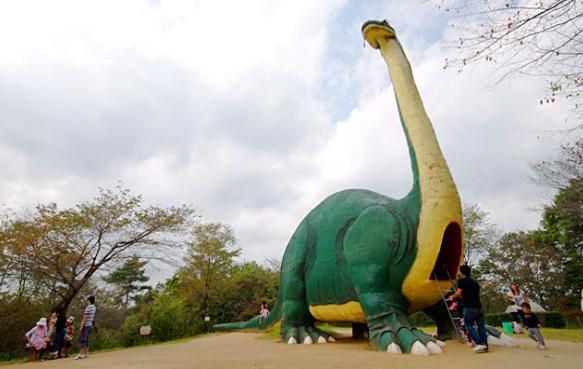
<point x="246" y="350"/>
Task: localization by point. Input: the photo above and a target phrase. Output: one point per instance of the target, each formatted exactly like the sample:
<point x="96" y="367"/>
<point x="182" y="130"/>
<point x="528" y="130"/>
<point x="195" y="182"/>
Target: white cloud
<point x="252" y="111"/>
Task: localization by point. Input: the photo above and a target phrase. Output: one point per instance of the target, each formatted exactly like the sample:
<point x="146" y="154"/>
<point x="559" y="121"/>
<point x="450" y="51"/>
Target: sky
<point x="252" y="111"/>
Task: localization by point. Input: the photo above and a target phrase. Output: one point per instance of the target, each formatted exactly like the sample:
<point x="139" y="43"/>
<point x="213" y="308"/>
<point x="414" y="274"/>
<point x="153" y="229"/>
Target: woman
<point x="37" y="338"/>
<point x="517" y="297"/>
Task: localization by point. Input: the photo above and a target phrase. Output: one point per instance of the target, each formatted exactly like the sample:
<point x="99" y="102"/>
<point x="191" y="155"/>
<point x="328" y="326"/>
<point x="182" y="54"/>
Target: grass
<point x="563" y="334"/>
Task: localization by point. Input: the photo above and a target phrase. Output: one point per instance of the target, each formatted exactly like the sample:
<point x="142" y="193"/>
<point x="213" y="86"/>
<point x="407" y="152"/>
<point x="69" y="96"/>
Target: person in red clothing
<point x="69" y="334"/>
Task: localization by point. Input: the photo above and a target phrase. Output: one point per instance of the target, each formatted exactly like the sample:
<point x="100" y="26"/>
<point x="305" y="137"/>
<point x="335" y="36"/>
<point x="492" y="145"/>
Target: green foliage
<point x="525" y="258"/>
<point x="420" y="319"/>
<point x="209" y="264"/>
<point x="175" y="309"/>
<point x="496" y="319"/>
<point x="552" y="319"/>
<point x="61" y="249"/>
<point x="17" y="316"/>
<point x="549" y="319"/>
<point x="252" y="284"/>
<point x="105" y="338"/>
<point x="128" y="278"/>
<point x="167" y="312"/>
<point x="562" y="225"/>
<point x="169" y="318"/>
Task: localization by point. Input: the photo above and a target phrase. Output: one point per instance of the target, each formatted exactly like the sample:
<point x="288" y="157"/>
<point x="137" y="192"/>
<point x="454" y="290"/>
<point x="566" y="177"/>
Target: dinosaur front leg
<point x="375" y="249"/>
<point x="297" y="324"/>
<point x="390" y="328"/>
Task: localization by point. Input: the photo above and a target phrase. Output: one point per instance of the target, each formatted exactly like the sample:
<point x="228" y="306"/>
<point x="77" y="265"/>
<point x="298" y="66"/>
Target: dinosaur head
<point x="374" y="30"/>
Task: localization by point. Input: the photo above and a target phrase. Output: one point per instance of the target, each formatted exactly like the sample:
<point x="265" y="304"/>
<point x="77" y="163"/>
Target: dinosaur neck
<point x="427" y="161"/>
<point x="434" y="193"/>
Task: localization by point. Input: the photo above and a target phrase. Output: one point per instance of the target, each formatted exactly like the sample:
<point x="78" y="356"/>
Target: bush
<point x="420" y="319"/>
<point x="549" y="319"/>
<point x="496" y="319"/>
<point x="104" y="338"/>
<point x="17" y="316"/>
<point x="552" y="319"/>
<point x="169" y="316"/>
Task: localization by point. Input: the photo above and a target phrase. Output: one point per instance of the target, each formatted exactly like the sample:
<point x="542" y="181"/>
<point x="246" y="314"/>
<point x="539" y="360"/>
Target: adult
<point x="469" y="290"/>
<point x="86" y="326"/>
<point x="37" y="338"/>
<point x="517" y="297"/>
<point x="59" y="327"/>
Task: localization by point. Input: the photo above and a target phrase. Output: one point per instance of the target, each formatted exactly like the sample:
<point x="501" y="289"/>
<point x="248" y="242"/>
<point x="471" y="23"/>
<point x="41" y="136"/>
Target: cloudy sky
<point x="253" y="111"/>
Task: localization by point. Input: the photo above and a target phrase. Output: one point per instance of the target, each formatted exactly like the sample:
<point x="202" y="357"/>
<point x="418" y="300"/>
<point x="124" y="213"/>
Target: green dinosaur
<point x="362" y="257"/>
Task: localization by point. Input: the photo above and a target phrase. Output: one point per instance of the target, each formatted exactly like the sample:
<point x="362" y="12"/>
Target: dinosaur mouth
<point x="450" y="253"/>
<point x="371" y="30"/>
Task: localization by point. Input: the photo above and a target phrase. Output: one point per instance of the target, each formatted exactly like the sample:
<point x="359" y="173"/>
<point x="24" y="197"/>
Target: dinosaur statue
<point x="362" y="257"/>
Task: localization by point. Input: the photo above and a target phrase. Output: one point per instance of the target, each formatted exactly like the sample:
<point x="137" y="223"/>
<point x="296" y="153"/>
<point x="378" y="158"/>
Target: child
<point x="533" y="325"/>
<point x="263" y="312"/>
<point x="456" y="307"/>
<point x="69" y="333"/>
<point x="37" y="338"/>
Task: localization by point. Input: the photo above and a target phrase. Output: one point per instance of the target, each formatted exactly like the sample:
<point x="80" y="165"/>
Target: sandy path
<point x="245" y="350"/>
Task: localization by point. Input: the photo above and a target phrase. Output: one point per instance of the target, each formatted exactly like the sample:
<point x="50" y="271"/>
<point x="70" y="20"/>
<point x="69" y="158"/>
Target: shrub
<point x="496" y="319"/>
<point x="549" y="319"/>
<point x="17" y="316"/>
<point x="105" y="338"/>
<point x="420" y="319"/>
<point x="552" y="319"/>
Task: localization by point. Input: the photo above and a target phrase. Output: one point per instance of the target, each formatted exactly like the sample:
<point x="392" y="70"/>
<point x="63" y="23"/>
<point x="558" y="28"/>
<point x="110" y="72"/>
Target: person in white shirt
<point x="517" y="297"/>
<point x="86" y="326"/>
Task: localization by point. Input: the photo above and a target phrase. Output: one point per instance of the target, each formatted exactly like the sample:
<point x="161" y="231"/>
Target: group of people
<point x="55" y="336"/>
<point x="522" y="315"/>
<point x="468" y="292"/>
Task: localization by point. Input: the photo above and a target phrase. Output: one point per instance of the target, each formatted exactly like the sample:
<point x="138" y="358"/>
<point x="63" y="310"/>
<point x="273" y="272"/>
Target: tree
<point x="525" y="258"/>
<point x="64" y="249"/>
<point x="529" y="37"/>
<point x="209" y="263"/>
<point x="562" y="226"/>
<point x="560" y="171"/>
<point x="250" y="285"/>
<point x="128" y="278"/>
<point x="479" y="233"/>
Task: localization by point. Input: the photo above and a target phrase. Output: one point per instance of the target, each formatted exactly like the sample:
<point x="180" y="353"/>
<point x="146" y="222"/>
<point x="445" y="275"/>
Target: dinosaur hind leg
<point x="370" y="246"/>
<point x="297" y="324"/>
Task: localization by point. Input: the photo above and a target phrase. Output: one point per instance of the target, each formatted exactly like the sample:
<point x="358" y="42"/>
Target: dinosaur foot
<point x="306" y="335"/>
<point x="397" y="336"/>
<point x="410" y="340"/>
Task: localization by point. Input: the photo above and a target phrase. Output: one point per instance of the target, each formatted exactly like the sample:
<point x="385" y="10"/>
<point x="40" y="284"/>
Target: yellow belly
<point x="348" y="312"/>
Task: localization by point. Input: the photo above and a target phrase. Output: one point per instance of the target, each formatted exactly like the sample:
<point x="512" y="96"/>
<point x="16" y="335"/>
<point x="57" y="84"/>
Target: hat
<point x="42" y="321"/>
<point x="70" y="319"/>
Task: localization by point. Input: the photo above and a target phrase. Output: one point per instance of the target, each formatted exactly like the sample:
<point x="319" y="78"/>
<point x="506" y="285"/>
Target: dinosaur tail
<point x="253" y="323"/>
